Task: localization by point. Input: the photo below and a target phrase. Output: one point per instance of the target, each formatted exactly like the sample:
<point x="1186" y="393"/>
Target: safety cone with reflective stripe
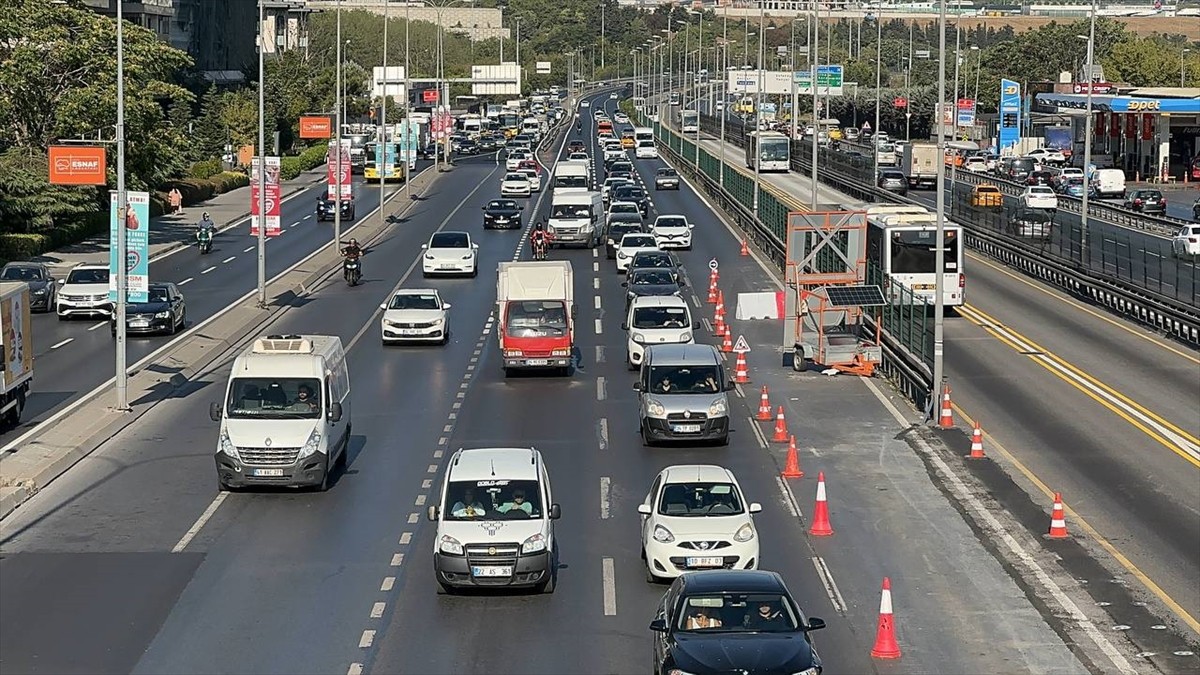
<point x="820" y="524"/>
<point x="764" y="406"/>
<point x="946" y="419"/>
<point x="791" y="469"/>
<point x="885" y="636"/>
<point x="719" y="317"/>
<point x="1058" y="522"/>
<point x="976" y="443"/>
<point x="727" y="341"/>
<point x="781" y="434"/>
<point x="745" y="247"/>
<point x="712" y="288"/>
<point x="741" y="372"/>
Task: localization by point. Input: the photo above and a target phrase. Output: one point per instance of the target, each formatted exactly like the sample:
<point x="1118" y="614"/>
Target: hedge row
<point x="310" y="158"/>
<point x="205" y="169"/>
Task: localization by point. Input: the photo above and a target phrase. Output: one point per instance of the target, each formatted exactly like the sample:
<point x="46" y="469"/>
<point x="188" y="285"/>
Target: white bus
<point x="689" y="122"/>
<point x="901" y="242"/>
<point x="643" y="134"/>
<point x="770" y="149"/>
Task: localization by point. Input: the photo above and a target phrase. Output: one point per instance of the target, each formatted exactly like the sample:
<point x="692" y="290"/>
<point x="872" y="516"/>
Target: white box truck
<point x="17" y="332"/>
<point x="535" y="301"/>
<point x="919" y="162"/>
<point x="285" y="420"/>
<point x="575" y="218"/>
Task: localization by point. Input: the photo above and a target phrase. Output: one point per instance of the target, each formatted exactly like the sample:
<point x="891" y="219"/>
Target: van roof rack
<point x="283" y="344"/>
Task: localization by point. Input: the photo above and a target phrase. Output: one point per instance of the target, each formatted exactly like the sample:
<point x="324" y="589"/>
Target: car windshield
<point x="157" y="294"/>
<point x="684" y="380"/>
<point x="570" y="181"/>
<point x="671" y="222"/>
<point x="733" y="612"/>
<point x="652" y="277"/>
<point x="666" y="172"/>
<point x="92" y="276"/>
<point x="645" y="144"/>
<point x="570" y="211"/>
<point x="414" y="301"/>
<point x="1040" y="191"/>
<point x="22" y="274"/>
<point x="652" y="259"/>
<point x="492" y="500"/>
<point x="651" y="318"/>
<point x="450" y="240"/>
<point x="625" y="207"/>
<point x="637" y="241"/>
<point x="515" y="177"/>
<point x="628" y="193"/>
<point x="699" y="499"/>
<point x="274" y="398"/>
<point x="502" y="204"/>
<point x="536" y="318"/>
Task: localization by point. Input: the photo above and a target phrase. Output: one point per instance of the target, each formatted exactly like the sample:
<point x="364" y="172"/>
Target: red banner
<point x="315" y="126"/>
<point x="1131" y="126"/>
<point x="1114" y="125"/>
<point x="900" y="102"/>
<point x="1147" y="127"/>
<point x="273" y="197"/>
<point x="1098" y="125"/>
<point x="339" y="185"/>
<point x="429" y="96"/>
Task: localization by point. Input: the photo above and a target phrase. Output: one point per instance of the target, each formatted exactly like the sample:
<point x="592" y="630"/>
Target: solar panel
<point x="854" y="296"/>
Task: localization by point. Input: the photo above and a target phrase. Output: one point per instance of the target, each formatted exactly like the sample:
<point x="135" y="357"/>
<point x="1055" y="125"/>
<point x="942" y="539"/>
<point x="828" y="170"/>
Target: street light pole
<point x="939" y="304"/>
<point x="337" y="149"/>
<point x="381" y="156"/>
<point x="1084" y="245"/>
<point x="816" y="60"/>
<point x="758" y="101"/>
<point x="409" y="147"/>
<point x="878" y="84"/>
<point x="1182" y="66"/>
<point x="699" y="63"/>
<point x="262" y="159"/>
<point x="121" y="375"/>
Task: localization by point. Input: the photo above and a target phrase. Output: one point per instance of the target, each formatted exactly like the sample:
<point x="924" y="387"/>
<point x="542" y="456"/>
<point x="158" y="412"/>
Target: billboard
<point x="408" y="136"/>
<point x="339" y="183"/>
<point x="829" y="81"/>
<point x="543" y="67"/>
<point x="77" y="165"/>
<point x="502" y="80"/>
<point x="1010" y="116"/>
<point x="389" y="82"/>
<point x="136" y="256"/>
<point x="315" y="126"/>
<point x="746" y="82"/>
<point x="273" y="196"/>
<point x="966" y="112"/>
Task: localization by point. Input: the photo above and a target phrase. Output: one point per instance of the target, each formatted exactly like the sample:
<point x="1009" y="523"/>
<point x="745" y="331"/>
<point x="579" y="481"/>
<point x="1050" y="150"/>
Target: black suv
<point x="325" y="208"/>
<point x="1146" y="201"/>
<point x="635" y="194"/>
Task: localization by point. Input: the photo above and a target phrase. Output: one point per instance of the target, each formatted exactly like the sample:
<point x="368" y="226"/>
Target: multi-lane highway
<point x="133" y="562"/>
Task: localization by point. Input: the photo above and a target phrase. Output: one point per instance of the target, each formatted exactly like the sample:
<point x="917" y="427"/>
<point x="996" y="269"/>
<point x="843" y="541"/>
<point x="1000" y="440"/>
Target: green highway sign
<point x="829" y="80"/>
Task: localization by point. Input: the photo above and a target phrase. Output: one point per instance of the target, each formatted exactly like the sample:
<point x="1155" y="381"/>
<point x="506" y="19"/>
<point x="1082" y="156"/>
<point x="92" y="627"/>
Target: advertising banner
<point x="966" y="112"/>
<point x="137" y="246"/>
<point x="339" y="185"/>
<point x="77" y="165"/>
<point x="388" y="152"/>
<point x="315" y="126"/>
<point x="1131" y="126"/>
<point x="408" y="135"/>
<point x="274" y="198"/>
<point x="15" y="317"/>
<point x="829" y="81"/>
<point x="1098" y="126"/>
<point x="1147" y="127"/>
<point x="1114" y="125"/>
<point x="1010" y="116"/>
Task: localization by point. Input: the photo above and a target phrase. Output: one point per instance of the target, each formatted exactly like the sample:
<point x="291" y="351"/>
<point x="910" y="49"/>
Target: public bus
<point x="674" y="100"/>
<point x="770" y="149"/>
<point x="689" y="122"/>
<point x="901" y="243"/>
<point x="393" y="165"/>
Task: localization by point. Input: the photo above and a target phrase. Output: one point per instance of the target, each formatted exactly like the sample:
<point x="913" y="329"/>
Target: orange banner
<point x="312" y="126"/>
<point x="77" y="165"/>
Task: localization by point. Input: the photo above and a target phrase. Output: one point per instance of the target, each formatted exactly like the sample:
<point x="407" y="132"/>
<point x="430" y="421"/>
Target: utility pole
<point x="262" y="158"/>
<point x="121" y="374"/>
<point x="878" y="84"/>
<point x="409" y="149"/>
<point x="754" y="146"/>
<point x="602" y="19"/>
<point x="816" y="60"/>
<point x="939" y="303"/>
<point x="1085" y="255"/>
<point x="337" y="150"/>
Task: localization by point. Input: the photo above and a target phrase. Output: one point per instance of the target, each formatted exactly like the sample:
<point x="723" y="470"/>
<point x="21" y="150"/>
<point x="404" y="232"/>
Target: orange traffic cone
<point x="820" y="525"/>
<point x="792" y="468"/>
<point x="764" y="406"/>
<point x="719" y="318"/>
<point x="781" y="434"/>
<point x="741" y="371"/>
<point x="745" y="247"/>
<point x="946" y="419"/>
<point x="727" y="341"/>
<point x="976" y="443"/>
<point x="712" y="289"/>
<point x="885" y="636"/>
<point x="1058" y="522"/>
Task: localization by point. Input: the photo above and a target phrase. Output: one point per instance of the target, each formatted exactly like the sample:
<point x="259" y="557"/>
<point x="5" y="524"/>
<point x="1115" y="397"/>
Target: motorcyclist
<point x="539" y="238"/>
<point x="351" y="252"/>
<point x="206" y="223"/>
<point x="204" y="231"/>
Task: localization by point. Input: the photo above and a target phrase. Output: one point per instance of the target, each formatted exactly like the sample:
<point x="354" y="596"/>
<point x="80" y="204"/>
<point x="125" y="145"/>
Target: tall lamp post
<point x="939" y="304"/>
<point x="121" y="376"/>
<point x="1182" y="66"/>
<point x="1084" y="245"/>
<point x="262" y="166"/>
<point x="816" y="61"/>
<point x="338" y="121"/>
<point x="699" y="62"/>
<point x="878" y="84"/>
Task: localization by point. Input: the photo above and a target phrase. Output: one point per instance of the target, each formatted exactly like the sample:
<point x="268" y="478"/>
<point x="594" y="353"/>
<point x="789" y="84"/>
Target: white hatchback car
<point x="415" y="314"/>
<point x="1187" y="241"/>
<point x="631" y="245"/>
<point x="976" y="164"/>
<point x="1039" y="197"/>
<point x="450" y="253"/>
<point x="694" y="518"/>
<point x="672" y="232"/>
<point x="514" y="159"/>
<point x="656" y="320"/>
<point x="84" y="292"/>
<point x="535" y="181"/>
<point x="645" y="150"/>
<point x="515" y="185"/>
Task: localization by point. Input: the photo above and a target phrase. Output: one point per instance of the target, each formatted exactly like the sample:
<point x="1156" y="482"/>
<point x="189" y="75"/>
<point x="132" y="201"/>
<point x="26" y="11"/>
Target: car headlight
<point x="662" y="535"/>
<point x="655" y="408"/>
<point x="312" y="444"/>
<point x="550" y="229"/>
<point x="561" y="352"/>
<point x="228" y="447"/>
<point x="718" y="408"/>
<point x="450" y="545"/>
<point x="534" y="544"/>
<point x="685" y="338"/>
<point x="467" y="256"/>
<point x="40" y="291"/>
<point x="163" y="315"/>
<point x="745" y="533"/>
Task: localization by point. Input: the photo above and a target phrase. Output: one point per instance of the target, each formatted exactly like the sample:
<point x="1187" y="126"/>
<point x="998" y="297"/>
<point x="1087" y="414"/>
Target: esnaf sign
<point x="77" y="165"/>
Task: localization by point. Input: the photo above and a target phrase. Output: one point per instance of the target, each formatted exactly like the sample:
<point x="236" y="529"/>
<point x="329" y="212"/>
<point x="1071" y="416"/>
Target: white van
<point x="575" y="218"/>
<point x="285" y="419"/>
<point x="656" y="320"/>
<point x="572" y="176"/>
<point x="1108" y="183"/>
<point x="495" y="522"/>
<point x="643" y="134"/>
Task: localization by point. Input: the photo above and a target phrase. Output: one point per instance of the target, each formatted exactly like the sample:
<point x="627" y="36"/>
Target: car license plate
<point x="538" y="362"/>
<point x="491" y="571"/>
<point x="445" y="266"/>
<point x="705" y="562"/>
<point x="267" y="473"/>
<point x="139" y="323"/>
<point x="685" y="428"/>
<point x="409" y="331"/>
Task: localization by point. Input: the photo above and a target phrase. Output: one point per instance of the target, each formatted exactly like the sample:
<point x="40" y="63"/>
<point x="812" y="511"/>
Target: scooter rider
<point x="205" y="223"/>
<point x="204" y="232"/>
<point x="539" y="238"/>
<point x="352" y="251"/>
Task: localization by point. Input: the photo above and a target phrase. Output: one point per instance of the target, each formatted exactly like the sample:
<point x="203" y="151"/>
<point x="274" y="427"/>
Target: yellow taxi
<point x="627" y="140"/>
<point x="987" y="196"/>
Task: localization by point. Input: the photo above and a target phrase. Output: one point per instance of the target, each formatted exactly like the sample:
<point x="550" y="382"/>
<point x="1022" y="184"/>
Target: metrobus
<point x="901" y="242"/>
<point x="689" y="122"/>
<point x="393" y="165"/>
<point x="771" y="149"/>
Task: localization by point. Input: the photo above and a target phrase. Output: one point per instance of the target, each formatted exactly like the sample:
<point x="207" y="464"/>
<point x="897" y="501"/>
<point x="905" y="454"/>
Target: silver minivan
<point x="682" y="394"/>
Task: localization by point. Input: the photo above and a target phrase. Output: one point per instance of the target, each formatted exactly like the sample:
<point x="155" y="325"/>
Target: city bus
<point x="901" y="245"/>
<point x="395" y="169"/>
<point x="674" y="100"/>
<point x="771" y="149"/>
<point x="689" y="122"/>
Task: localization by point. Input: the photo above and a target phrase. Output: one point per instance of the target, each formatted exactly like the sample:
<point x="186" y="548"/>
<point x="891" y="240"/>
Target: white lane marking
<point x="97" y="326"/>
<point x="758" y="433"/>
<point x="406" y="539"/>
<point x="695" y="301"/>
<point x="605" y="488"/>
<point x="199" y="524"/>
<point x="388" y="584"/>
<point x="599" y="353"/>
<point x="294" y="224"/>
<point x="964" y="496"/>
<point x="597" y="299"/>
<point x="62" y="344"/>
<point x="368" y="637"/>
<point x="427" y="484"/>
<point x="413" y="518"/>
<point x="310" y="215"/>
<point x="601" y="389"/>
<point x="185" y="281"/>
<point x="229" y="260"/>
<point x="397" y="560"/>
<point x="599" y="327"/>
<point x="595" y="267"/>
<point x="355" y="669"/>
<point x="596" y="283"/>
<point x="595" y="253"/>
<point x="377" y="610"/>
<point x="831" y="589"/>
<point x="789" y="498"/>
<point x="609" y="575"/>
<point x="420" y="500"/>
<point x="209" y="269"/>
<point x="247" y="249"/>
<point x="603" y="433"/>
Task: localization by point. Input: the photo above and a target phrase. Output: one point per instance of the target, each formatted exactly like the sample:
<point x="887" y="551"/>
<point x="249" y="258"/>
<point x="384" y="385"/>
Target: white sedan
<point x="514" y="159"/>
<point x="631" y="245"/>
<point x="976" y="164"/>
<point x="1039" y="197"/>
<point x="672" y="232"/>
<point x="584" y="103"/>
<point x="696" y="517"/>
<point x="417" y="315"/>
<point x="535" y="181"/>
<point x="515" y="185"/>
<point x="450" y="253"/>
<point x="1047" y="156"/>
<point x="1187" y="241"/>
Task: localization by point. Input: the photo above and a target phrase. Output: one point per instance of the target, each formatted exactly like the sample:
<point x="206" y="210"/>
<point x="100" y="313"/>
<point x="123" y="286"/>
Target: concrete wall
<point x="476" y="22"/>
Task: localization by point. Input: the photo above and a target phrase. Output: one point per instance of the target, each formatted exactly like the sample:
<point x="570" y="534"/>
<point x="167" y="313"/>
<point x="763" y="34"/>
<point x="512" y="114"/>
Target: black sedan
<point x="663" y="260"/>
<point x="502" y="214"/>
<point x="325" y="208"/>
<point x="1146" y="201"/>
<point x="733" y="621"/>
<point x="41" y="284"/>
<point x="163" y="312"/>
<point x="646" y="282"/>
<point x="633" y="193"/>
<point x="619" y="225"/>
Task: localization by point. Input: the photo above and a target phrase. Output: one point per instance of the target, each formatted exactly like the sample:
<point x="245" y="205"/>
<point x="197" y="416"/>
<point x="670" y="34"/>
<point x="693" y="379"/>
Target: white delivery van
<point x="575" y="218"/>
<point x="572" y="176"/>
<point x="495" y="522"/>
<point x="656" y="320"/>
<point x="1108" y="183"/>
<point x="285" y="419"/>
<point x="643" y="134"/>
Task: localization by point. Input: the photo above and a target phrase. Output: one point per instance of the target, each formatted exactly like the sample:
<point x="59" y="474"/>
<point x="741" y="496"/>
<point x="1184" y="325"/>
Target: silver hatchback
<point x="682" y="394"/>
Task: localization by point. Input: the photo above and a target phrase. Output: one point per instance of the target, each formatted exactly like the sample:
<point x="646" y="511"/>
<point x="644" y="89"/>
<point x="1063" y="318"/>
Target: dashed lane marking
<point x="247" y="249"/>
<point x="595" y="267"/>
<point x="229" y="260"/>
<point x="596" y="283"/>
<point x="609" y="576"/>
<point x="758" y="433"/>
<point x="414" y="518"/>
<point x="597" y="300"/>
<point x="601" y="389"/>
<point x="599" y="327"/>
<point x="831" y="589"/>
<point x="367" y="639"/>
<point x="185" y="281"/>
<point x="199" y="524"/>
<point x="97" y="326"/>
<point x="397" y="560"/>
<point x="355" y="669"/>
<point x="788" y="498"/>
<point x="62" y="344"/>
<point x="603" y="433"/>
<point x="599" y="353"/>
<point x="420" y="500"/>
<point x="377" y="610"/>
<point x="406" y="539"/>
<point x="605" y="489"/>
<point x="209" y="269"/>
<point x="388" y="584"/>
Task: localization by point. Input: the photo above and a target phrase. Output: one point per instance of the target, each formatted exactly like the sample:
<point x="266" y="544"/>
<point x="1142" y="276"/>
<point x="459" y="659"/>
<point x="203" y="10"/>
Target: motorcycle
<point x="352" y="271"/>
<point x="204" y="240"/>
<point x="539" y="249"/>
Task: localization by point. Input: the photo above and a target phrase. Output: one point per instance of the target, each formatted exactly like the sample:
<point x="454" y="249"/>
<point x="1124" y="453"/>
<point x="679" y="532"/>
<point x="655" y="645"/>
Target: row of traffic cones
<point x="741" y="370"/>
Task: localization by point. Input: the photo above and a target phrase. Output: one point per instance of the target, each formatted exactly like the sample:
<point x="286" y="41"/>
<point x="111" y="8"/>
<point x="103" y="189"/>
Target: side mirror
<point x="730" y="385"/>
<point x="62" y="281"/>
<point x="214" y="411"/>
<point x="624" y="284"/>
<point x="335" y="412"/>
<point x="383" y="305"/>
<point x="637" y="386"/>
<point x="755" y="507"/>
<point x="555" y="512"/>
<point x="446" y="305"/>
<point x="424" y="246"/>
<point x="624" y="326"/>
<point x="682" y="282"/>
<point x="432" y="513"/>
<point x="815" y="623"/>
<point x="660" y="625"/>
<point x="695" y="325"/>
<point x="644" y="509"/>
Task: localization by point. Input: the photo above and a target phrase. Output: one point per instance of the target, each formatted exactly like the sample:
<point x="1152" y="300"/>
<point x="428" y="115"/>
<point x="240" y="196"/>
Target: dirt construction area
<point x="1150" y="25"/>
